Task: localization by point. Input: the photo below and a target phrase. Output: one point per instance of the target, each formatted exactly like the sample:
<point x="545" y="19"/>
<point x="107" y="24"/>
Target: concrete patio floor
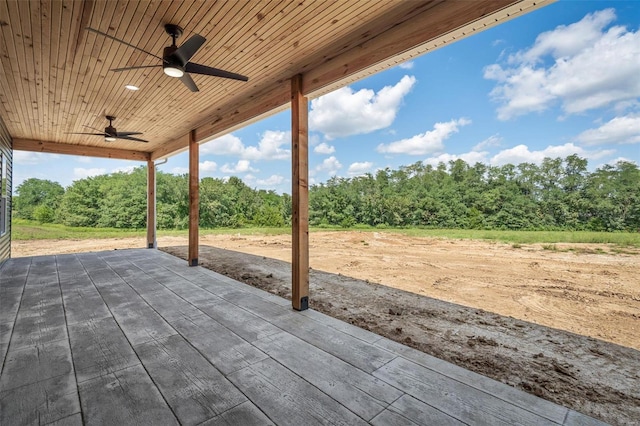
<point x="138" y="337"/>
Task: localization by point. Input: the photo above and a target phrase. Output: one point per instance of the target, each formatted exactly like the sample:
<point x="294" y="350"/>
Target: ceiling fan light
<point x="109" y="139"/>
<point x="173" y="71"/>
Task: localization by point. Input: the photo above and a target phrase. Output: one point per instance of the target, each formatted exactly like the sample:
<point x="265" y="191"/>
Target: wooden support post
<point x="194" y="198"/>
<point x="151" y="205"/>
<point x="299" y="197"/>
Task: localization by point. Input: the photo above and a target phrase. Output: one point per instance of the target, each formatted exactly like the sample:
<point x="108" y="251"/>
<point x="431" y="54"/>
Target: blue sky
<point x="561" y="80"/>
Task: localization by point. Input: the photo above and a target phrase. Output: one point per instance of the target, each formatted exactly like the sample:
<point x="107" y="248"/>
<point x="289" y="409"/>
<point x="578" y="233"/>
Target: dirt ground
<point x="560" y="322"/>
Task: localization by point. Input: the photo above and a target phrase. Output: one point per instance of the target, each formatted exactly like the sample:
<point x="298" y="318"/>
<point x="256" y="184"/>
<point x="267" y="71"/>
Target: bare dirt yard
<point x="560" y="322"/>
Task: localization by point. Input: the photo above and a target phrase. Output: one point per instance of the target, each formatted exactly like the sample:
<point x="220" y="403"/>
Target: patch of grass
<point x="583" y="250"/>
<point x="621" y="239"/>
<point x="27" y="230"/>
<point x="551" y="247"/>
<point x="618" y="250"/>
<point x="226" y="231"/>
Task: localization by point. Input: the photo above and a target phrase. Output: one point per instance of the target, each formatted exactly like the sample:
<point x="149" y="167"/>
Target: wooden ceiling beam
<point x="87" y="151"/>
<point x="253" y="108"/>
<point x="170" y="148"/>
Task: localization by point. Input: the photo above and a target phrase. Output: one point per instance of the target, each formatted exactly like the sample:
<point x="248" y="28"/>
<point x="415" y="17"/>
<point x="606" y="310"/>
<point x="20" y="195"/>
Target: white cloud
<point x="491" y="142"/>
<point x="620" y="130"/>
<point x="360" y="168"/>
<point x="314" y="139"/>
<point x="567" y="40"/>
<point x="615" y="161"/>
<point x="270" y="146"/>
<point x="330" y="165"/>
<point x="241" y="166"/>
<point x="521" y="154"/>
<point x="520" y="91"/>
<point x="124" y="169"/>
<point x="208" y="166"/>
<point x="406" y="65"/>
<point x="427" y="142"/>
<point x="271" y="180"/>
<point x="269" y="183"/>
<point x="472" y="157"/>
<point x="592" y="67"/>
<point x="248" y="179"/>
<point x="345" y="112"/>
<point x="28" y="158"/>
<point x="478" y="153"/>
<point x="85" y="160"/>
<point x="81" y="173"/>
<point x="228" y="144"/>
<point x="629" y="105"/>
<point x="324" y="148"/>
<point x="180" y="170"/>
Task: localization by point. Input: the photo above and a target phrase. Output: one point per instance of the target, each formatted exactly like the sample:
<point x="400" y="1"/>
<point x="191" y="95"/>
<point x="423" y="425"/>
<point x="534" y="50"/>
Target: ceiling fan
<point x="111" y="134"/>
<point x="175" y="60"/>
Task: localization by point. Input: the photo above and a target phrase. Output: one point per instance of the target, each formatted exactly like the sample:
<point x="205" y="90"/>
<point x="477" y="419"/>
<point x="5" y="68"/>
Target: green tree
<point x="80" y="205"/>
<point x="268" y="215"/>
<point x="36" y="192"/>
<point x="124" y="200"/>
<point x="172" y="201"/>
<point x="613" y="199"/>
<point x="558" y="194"/>
<point x="44" y="214"/>
<point x="216" y="204"/>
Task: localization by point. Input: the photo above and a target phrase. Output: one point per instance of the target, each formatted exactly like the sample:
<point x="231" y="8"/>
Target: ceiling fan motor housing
<point x="171" y="64"/>
<point x="169" y="58"/>
<point x="110" y="131"/>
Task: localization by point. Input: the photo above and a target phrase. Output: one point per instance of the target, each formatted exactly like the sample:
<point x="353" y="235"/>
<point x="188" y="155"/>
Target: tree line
<point x="558" y="194"/>
<point x="119" y="200"/>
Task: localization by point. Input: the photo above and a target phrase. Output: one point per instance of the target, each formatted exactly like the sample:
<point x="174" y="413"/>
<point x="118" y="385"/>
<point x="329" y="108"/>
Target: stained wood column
<point x="194" y="198"/>
<point x="151" y="205"/>
<point x="299" y="197"/>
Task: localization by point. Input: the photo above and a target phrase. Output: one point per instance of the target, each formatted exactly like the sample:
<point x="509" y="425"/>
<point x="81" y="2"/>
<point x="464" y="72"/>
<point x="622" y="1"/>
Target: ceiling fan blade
<point x="93" y="134"/>
<point x="189" y="48"/>
<point x="123" y="42"/>
<point x="92" y="128"/>
<point x="129" y="138"/>
<point x="134" y="68"/>
<point x="205" y="70"/>
<point x="188" y="81"/>
<point x="128" y="133"/>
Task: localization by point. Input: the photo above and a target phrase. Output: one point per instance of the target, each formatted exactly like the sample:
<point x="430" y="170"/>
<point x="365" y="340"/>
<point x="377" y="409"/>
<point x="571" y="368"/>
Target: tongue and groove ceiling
<point x="55" y="76"/>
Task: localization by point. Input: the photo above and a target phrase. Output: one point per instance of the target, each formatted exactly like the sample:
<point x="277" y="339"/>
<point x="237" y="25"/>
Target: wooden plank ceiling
<point x="55" y="77"/>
